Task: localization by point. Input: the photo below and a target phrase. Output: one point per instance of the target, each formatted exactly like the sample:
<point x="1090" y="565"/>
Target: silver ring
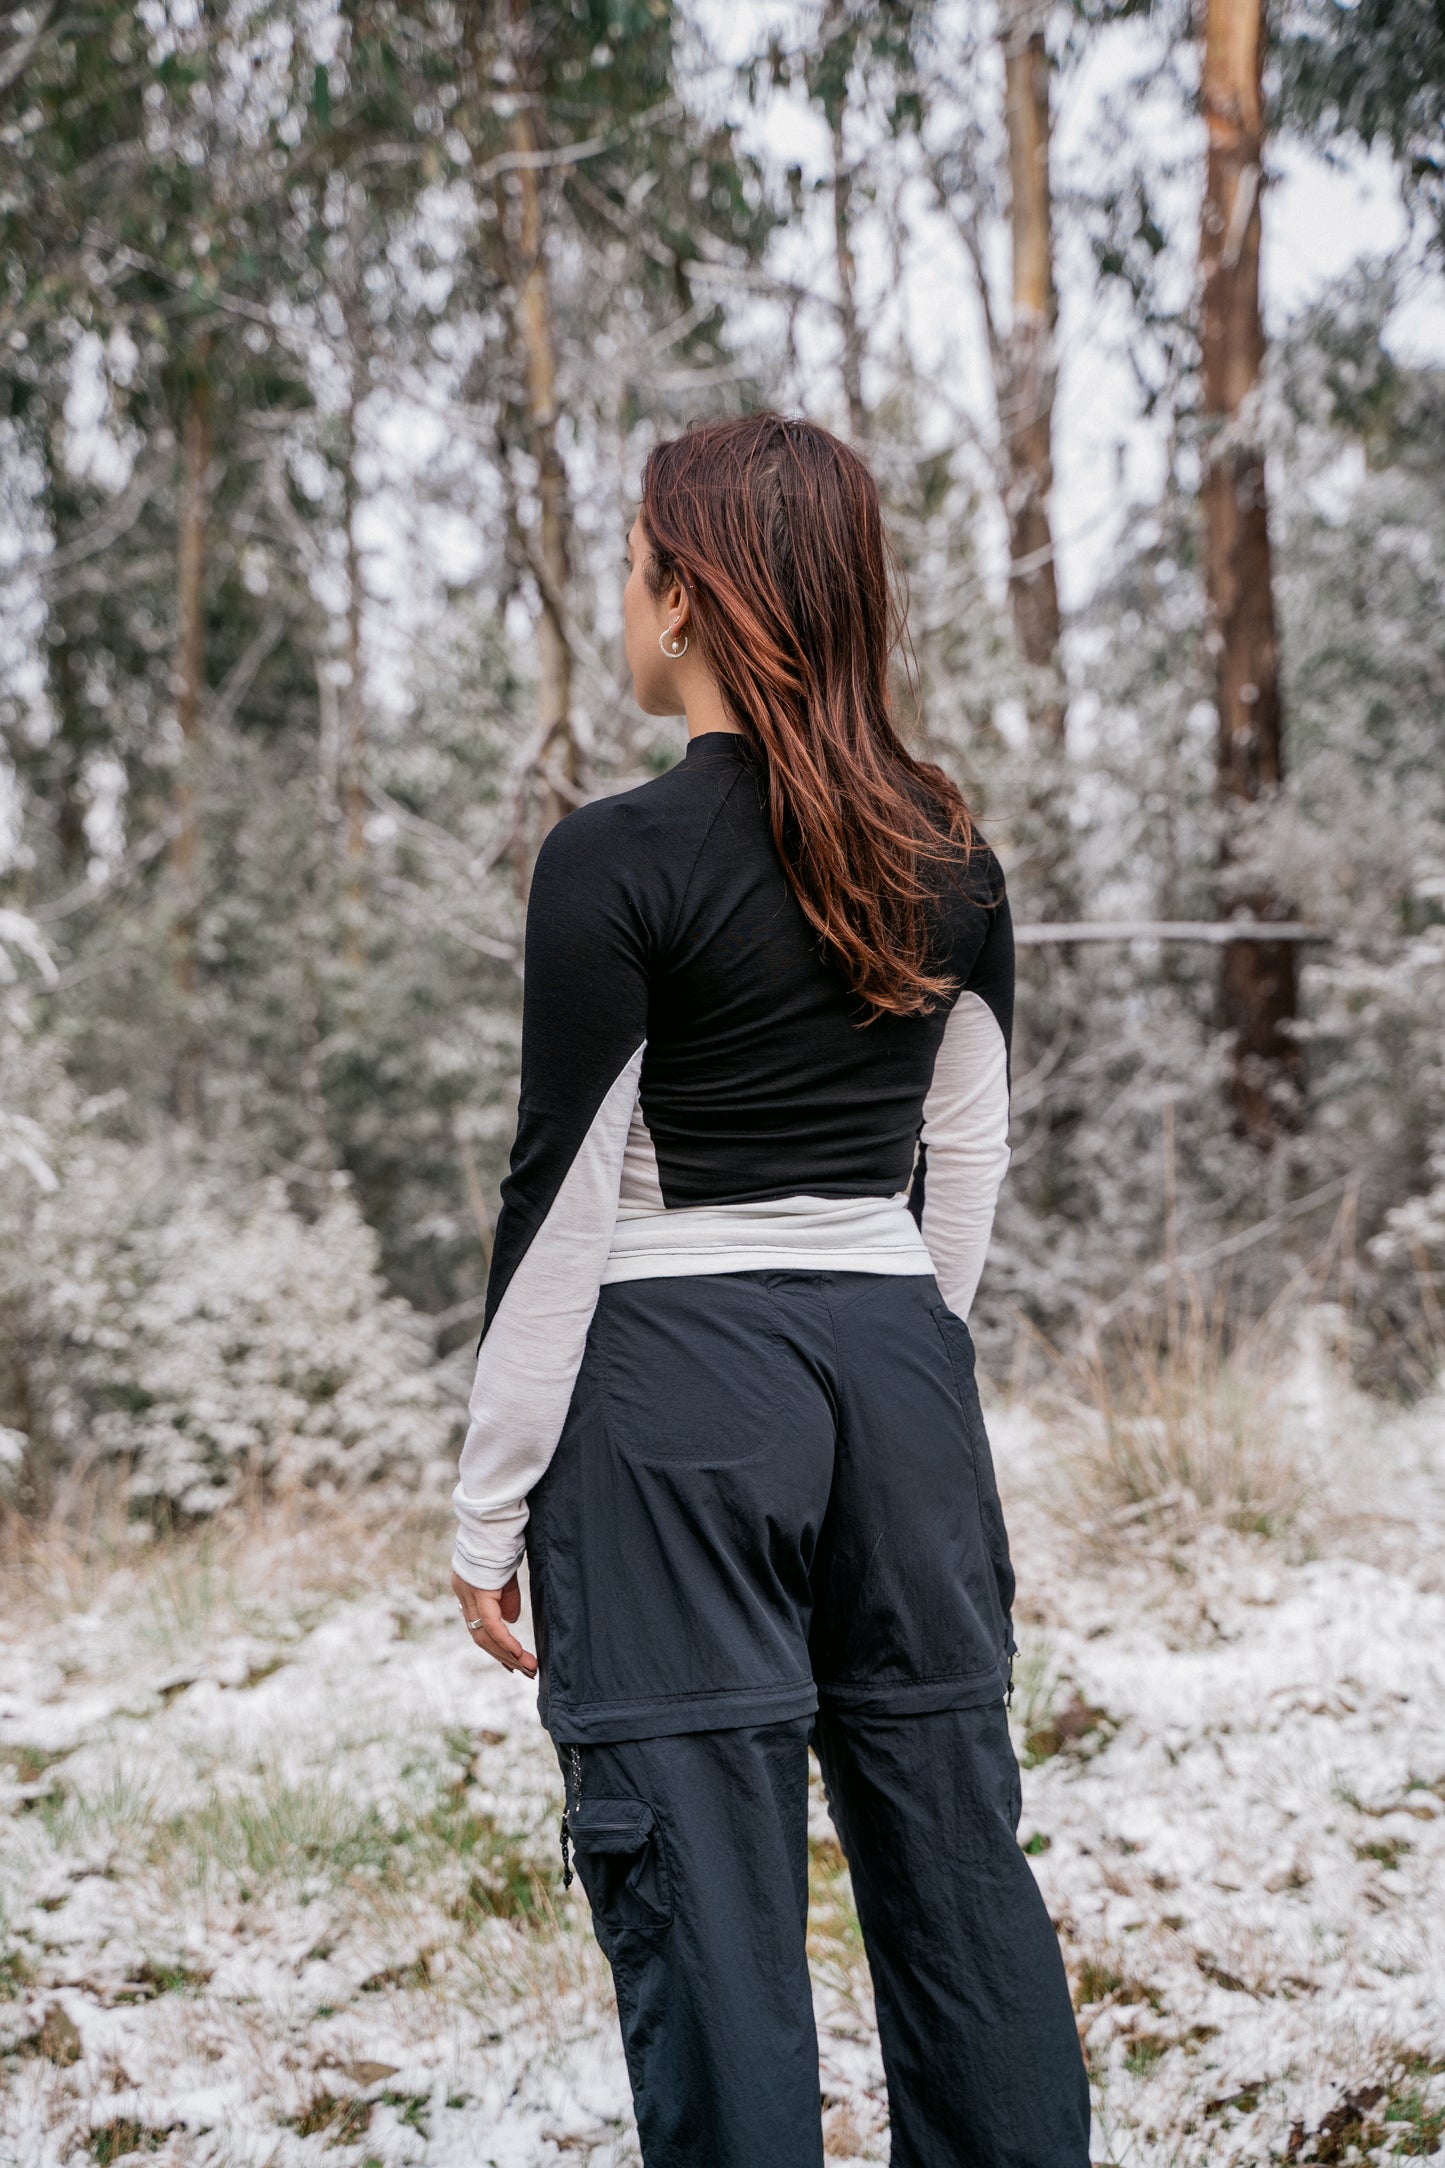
<point x="472" y="1624"/>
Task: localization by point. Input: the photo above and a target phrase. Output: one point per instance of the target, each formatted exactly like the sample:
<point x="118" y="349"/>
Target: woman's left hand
<point x="486" y="1614"/>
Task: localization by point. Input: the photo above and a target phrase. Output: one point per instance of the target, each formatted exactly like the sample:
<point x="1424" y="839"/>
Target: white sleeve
<point x="528" y="1361"/>
<point x="965" y="1144"/>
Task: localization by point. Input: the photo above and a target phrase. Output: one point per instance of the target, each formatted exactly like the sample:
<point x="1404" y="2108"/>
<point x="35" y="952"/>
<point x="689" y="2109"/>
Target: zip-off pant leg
<point x="974" y="2018"/>
<point x="693" y="1851"/>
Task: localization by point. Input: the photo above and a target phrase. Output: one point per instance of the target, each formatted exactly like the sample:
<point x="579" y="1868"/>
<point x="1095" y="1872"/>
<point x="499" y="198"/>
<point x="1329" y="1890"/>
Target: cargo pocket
<point x="622" y="1861"/>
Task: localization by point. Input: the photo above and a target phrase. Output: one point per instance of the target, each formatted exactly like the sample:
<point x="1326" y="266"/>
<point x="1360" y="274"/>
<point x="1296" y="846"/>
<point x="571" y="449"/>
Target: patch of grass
<point x="16" y="1973"/>
<point x="509" y="1888"/>
<point x="266" y="1669"/>
<point x="509" y="1875"/>
<point x="1077" y="1727"/>
<point x="1035" y="1686"/>
<point x="1387" y="1851"/>
<point x="122" y="1808"/>
<point x="1102" y="1978"/>
<point x="1095" y="1981"/>
<point x="1402" y="2118"/>
<point x="280" y="1832"/>
<point x="833" y="1930"/>
<point x="148" y="1980"/>
<point x="1413" y="2109"/>
<point x="1037" y="1844"/>
<point x="1244" y="2102"/>
<point x="343" y="2117"/>
<point x="187" y="1591"/>
<point x="1144" y="2051"/>
<point x="451" y="1823"/>
<point x="1046" y="1712"/>
<point x="413" y="2110"/>
<point x="414" y="1974"/>
<point x="507" y="1880"/>
<point x="28" y="1764"/>
<point x="460" y="1748"/>
<point x="112" y="2141"/>
<point x="1341" y="2133"/>
<point x="56" y="2038"/>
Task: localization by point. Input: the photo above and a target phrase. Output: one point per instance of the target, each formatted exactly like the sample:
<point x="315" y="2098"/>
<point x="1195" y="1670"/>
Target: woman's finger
<point x="494" y="1648"/>
<point x="497" y="1642"/>
<point x="483" y="1615"/>
<point x="501" y="1644"/>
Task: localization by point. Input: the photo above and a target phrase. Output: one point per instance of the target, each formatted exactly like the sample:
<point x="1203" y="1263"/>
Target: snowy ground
<point x="279" y="1865"/>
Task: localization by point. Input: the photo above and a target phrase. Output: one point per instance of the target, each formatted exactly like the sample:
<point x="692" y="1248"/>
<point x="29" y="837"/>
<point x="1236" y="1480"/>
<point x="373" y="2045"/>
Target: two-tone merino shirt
<point x="703" y="1092"/>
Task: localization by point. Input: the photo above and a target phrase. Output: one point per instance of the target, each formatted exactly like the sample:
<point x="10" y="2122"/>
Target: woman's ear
<point x="676" y="605"/>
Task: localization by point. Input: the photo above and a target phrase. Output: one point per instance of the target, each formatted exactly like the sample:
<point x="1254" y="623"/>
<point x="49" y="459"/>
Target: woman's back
<point x="664" y="936"/>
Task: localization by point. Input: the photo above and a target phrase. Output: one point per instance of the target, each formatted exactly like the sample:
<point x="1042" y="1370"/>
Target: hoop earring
<point x="678" y="647"/>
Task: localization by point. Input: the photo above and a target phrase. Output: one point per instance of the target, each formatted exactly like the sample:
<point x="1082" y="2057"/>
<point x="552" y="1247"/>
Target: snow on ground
<point x="279" y="1871"/>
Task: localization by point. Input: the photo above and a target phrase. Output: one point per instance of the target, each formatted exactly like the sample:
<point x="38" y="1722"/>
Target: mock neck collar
<point x="718" y="745"/>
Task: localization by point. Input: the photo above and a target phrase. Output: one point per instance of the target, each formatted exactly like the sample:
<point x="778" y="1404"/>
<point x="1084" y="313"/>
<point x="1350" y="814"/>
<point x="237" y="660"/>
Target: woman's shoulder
<point x="975" y="931"/>
<point x="972" y="878"/>
<point x="982" y="871"/>
<point x="636" y="837"/>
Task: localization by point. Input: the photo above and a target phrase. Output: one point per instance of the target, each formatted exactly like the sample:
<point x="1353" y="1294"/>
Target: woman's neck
<point x="705" y="709"/>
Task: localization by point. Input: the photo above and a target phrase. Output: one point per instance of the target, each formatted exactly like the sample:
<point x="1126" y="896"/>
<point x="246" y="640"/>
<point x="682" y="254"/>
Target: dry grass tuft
<point x="207" y="1576"/>
<point x="1173" y="1419"/>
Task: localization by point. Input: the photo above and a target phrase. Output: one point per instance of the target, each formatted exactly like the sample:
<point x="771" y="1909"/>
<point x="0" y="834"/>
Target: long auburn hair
<point x="774" y="531"/>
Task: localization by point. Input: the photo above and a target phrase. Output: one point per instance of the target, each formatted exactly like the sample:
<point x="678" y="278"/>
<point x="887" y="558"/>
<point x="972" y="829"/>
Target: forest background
<point x="333" y="338"/>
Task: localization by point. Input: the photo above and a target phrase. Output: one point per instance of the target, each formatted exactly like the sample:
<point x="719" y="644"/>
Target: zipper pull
<point x="567" y="1806"/>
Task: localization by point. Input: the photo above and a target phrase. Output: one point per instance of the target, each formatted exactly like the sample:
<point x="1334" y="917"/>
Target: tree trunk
<point x="554" y="524"/>
<point x="190" y="693"/>
<point x="65" y="633"/>
<point x="1257" y="979"/>
<point x="352" y="716"/>
<point x="1025" y="366"/>
<point x="835" y="27"/>
<point x="847" y="288"/>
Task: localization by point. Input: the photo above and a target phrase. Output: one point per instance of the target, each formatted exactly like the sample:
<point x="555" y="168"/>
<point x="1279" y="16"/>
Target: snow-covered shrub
<point x="226" y="1341"/>
<point x="198" y="1334"/>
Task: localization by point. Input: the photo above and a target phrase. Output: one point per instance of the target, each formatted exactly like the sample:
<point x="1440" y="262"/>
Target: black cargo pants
<point x="773" y="1513"/>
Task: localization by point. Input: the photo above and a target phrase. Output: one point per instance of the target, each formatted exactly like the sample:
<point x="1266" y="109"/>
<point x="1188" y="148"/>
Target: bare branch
<point x="119" y="520"/>
<point x="16" y="61"/>
<point x="1217" y="933"/>
<point x="227" y="698"/>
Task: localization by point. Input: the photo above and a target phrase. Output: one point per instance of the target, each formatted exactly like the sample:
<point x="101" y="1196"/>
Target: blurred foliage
<point x="315" y="216"/>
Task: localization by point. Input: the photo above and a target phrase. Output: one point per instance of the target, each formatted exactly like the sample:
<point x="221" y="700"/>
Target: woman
<point x="725" y="1393"/>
